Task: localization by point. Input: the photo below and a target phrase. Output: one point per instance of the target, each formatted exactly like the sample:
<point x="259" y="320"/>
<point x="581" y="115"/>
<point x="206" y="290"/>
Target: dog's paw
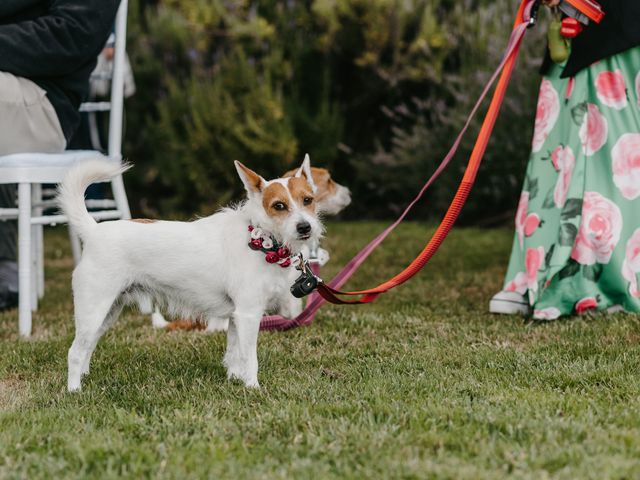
<point x="323" y="256"/>
<point x="252" y="384"/>
<point x="235" y="375"/>
<point x="73" y="387"/>
<point x="158" y="321"/>
<point x="238" y="374"/>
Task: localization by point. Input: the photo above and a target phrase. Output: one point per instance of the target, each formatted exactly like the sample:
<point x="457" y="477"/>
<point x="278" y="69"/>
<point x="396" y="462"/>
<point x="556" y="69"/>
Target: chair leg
<point x="39" y="242"/>
<point x="40" y="261"/>
<point x="34" y="268"/>
<point x="36" y="198"/>
<point x="120" y="196"/>
<point x="24" y="258"/>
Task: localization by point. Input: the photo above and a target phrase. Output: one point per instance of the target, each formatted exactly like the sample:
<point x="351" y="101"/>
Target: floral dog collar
<point x="264" y="242"/>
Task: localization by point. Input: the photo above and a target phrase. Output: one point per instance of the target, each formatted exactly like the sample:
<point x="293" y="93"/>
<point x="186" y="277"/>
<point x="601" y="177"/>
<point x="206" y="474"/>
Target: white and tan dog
<point x="203" y="268"/>
<point x="330" y="198"/>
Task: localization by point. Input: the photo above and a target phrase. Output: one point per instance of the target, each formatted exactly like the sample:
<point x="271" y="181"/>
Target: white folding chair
<point x="31" y="170"/>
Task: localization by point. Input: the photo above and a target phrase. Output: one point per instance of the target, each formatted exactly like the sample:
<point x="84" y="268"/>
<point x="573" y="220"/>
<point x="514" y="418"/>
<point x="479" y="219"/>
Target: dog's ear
<point x="305" y="171"/>
<point x="253" y="182"/>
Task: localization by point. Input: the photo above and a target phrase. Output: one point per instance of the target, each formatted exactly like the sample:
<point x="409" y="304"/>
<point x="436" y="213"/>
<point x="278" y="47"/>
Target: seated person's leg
<point x="28" y="123"/>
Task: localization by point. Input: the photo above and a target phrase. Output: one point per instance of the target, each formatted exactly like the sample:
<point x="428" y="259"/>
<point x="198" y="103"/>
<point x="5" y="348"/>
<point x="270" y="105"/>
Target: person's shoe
<point x="509" y="303"/>
<point x="8" y="285"/>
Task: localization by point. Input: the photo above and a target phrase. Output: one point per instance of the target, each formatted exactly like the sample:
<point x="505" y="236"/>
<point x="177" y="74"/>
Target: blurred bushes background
<point x="375" y="90"/>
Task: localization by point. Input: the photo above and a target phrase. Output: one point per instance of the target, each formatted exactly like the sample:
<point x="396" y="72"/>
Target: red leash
<point x="523" y="19"/>
<point x="591" y="9"/>
<point x="329" y="292"/>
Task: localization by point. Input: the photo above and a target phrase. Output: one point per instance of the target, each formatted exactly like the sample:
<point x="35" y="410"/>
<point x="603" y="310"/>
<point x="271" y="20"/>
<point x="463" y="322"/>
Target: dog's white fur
<point x="331" y="199"/>
<point x="199" y="268"/>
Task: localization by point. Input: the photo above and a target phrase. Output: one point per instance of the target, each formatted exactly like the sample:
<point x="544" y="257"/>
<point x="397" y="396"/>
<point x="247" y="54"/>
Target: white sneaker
<point x="509" y="303"/>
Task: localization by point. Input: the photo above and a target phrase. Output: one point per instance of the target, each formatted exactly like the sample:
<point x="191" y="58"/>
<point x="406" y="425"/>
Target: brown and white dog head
<point x="286" y="207"/>
<point x="331" y="197"/>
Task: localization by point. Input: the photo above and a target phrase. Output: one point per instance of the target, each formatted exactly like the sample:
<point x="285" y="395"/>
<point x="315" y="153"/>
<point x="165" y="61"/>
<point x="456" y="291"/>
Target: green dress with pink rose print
<point x="577" y="241"/>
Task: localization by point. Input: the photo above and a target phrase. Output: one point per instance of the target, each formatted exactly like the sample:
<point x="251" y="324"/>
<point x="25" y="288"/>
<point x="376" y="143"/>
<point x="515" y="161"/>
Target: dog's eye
<point x="279" y="206"/>
<point x="307" y="200"/>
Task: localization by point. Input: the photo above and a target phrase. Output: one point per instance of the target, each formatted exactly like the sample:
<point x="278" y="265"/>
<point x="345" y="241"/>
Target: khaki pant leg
<point x="28" y="123"/>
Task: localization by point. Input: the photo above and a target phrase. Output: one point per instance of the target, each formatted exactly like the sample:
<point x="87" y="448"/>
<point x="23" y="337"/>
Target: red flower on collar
<point x="266" y="243"/>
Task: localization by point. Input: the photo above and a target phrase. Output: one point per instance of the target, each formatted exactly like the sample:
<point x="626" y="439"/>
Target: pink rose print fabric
<point x="569" y="90"/>
<point x="563" y="161"/>
<point x="549" y="313"/>
<point x="518" y="284"/>
<point x="526" y="224"/>
<point x="611" y="89"/>
<point x="576" y="247"/>
<point x="546" y="114"/>
<point x="594" y="130"/>
<point x="531" y="224"/>
<point x="521" y="216"/>
<point x="586" y="304"/>
<point x="631" y="264"/>
<point x="599" y="231"/>
<point x="534" y="258"/>
<point x="625" y="157"/>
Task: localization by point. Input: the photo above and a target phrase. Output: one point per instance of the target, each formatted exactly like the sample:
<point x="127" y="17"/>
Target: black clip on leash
<point x="535" y="9"/>
<point x="306" y="283"/>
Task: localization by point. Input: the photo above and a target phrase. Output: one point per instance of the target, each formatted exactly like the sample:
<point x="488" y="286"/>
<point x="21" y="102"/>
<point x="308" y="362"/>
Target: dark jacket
<point x="55" y="43"/>
<point x="618" y="31"/>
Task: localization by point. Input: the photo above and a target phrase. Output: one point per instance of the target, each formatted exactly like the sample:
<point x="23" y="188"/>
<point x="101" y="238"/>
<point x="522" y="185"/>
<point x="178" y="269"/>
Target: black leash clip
<point x="306" y="283"/>
<point x="535" y="8"/>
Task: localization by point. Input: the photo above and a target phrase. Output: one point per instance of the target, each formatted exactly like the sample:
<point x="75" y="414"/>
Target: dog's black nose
<point x="303" y="228"/>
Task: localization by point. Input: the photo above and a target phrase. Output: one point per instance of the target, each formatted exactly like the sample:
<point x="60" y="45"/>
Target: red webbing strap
<point x="588" y="7"/>
<point x="315" y="301"/>
<point x="331" y="294"/>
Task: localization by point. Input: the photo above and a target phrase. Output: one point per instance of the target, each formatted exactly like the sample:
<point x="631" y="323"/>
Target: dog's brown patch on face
<point x="275" y="200"/>
<point x="301" y="193"/>
<point x="325" y="186"/>
<point x="142" y="220"/>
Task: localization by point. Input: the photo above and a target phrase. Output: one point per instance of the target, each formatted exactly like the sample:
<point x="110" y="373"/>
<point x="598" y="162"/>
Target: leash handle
<point x="590" y="8"/>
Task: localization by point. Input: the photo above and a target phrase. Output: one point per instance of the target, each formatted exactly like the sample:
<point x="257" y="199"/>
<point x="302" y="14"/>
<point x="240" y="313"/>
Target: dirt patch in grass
<point x="13" y="393"/>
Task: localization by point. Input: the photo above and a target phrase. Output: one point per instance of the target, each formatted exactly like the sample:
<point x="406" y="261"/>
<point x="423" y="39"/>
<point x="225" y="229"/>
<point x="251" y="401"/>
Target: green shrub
<point x="374" y="90"/>
<point x="424" y="129"/>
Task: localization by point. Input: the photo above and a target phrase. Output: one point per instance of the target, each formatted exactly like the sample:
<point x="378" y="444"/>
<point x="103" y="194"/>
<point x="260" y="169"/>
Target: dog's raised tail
<point x="71" y="191"/>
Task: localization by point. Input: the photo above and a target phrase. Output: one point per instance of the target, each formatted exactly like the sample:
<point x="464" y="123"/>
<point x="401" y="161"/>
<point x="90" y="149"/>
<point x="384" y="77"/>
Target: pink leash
<point x="315" y="301"/>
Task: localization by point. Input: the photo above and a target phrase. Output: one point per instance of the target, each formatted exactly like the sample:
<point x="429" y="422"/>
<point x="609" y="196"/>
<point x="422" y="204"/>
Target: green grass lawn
<point x="422" y="384"/>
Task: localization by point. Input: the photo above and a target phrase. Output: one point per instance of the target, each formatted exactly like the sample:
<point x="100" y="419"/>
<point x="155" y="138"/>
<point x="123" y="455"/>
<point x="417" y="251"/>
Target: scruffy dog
<point x="330" y="198"/>
<point x="237" y="263"/>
